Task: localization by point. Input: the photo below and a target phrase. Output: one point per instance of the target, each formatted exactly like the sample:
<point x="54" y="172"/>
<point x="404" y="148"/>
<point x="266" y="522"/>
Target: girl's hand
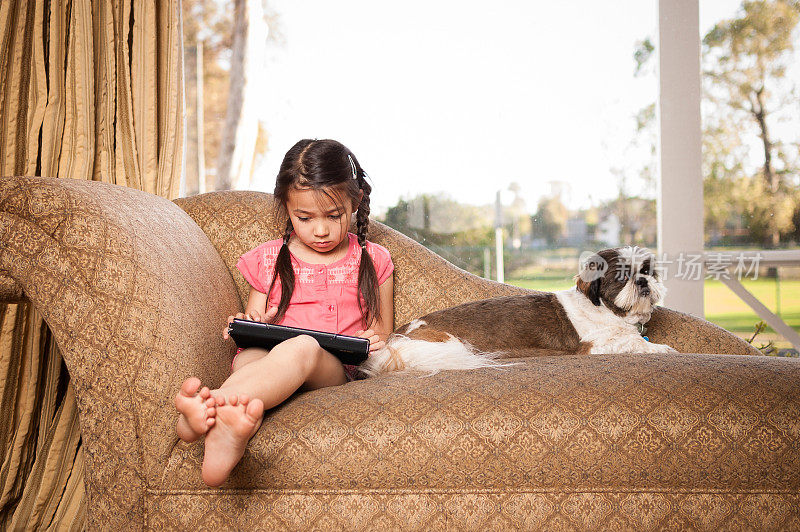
<point x="239" y="316"/>
<point x="375" y="341"/>
<point x="262" y="318"/>
<point x="254" y="315"/>
<point x="271" y="313"/>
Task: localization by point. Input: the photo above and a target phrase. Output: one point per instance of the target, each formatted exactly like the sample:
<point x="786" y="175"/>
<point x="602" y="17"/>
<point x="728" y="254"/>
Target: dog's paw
<point x="661" y="348"/>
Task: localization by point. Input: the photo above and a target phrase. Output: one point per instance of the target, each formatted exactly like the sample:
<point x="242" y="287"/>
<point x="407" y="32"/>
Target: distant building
<point x="608" y="231"/>
<point x="577" y="231"/>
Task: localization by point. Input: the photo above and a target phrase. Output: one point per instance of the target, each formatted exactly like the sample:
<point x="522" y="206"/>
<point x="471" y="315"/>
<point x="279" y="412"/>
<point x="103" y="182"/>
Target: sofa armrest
<point x="689" y="334"/>
<point x="136" y="297"/>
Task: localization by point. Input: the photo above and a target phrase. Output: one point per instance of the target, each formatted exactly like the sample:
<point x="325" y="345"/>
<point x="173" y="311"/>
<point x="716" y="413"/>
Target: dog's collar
<point x="642" y="330"/>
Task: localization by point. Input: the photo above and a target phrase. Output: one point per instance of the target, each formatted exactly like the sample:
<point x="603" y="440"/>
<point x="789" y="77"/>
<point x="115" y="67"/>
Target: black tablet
<point x="348" y="349"/>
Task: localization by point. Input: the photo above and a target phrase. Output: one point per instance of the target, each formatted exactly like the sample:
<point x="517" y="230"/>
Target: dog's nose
<point x="641" y="281"/>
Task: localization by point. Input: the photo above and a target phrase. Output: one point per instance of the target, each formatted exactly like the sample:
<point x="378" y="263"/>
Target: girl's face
<point x="318" y="220"/>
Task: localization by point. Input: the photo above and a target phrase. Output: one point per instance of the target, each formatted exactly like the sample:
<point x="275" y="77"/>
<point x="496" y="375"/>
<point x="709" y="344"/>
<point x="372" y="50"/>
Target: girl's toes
<point x="255" y="409"/>
<point x="190" y="386"/>
<point x="210" y="402"/>
<point x="210" y="421"/>
<point x="243" y="400"/>
<point x="205" y="393"/>
<point x="233" y="400"/>
<point x="211" y="412"/>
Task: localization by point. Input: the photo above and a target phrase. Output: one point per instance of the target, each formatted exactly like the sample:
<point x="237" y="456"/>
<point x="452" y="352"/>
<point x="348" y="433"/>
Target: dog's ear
<point x="594" y="292"/>
<point x="589" y="289"/>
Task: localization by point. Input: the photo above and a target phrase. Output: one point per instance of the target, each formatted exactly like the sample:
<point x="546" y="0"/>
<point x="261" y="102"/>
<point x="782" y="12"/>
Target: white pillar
<point x="680" y="191"/>
<point x="201" y="142"/>
<point x="498" y="238"/>
<point x="498" y="244"/>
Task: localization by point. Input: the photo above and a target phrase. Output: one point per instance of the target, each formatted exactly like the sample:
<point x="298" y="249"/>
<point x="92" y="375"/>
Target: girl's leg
<point x="260" y="384"/>
<point x="297" y="362"/>
<point x="246" y="357"/>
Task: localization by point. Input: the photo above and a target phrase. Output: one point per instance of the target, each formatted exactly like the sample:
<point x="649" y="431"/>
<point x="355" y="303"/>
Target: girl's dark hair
<point x="325" y="166"/>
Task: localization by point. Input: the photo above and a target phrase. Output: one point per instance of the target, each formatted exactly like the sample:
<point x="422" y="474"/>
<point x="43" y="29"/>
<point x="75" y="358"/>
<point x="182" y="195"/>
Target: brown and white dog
<point x="615" y="292"/>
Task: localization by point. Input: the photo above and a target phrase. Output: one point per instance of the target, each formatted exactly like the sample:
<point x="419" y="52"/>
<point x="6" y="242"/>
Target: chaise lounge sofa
<point x="137" y="288"/>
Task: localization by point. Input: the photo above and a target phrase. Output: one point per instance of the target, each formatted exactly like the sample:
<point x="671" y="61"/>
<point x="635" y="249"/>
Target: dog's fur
<point x="615" y="291"/>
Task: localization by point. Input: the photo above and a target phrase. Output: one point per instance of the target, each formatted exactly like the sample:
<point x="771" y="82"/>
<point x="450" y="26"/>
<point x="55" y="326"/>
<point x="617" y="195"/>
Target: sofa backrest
<point x="237" y="221"/>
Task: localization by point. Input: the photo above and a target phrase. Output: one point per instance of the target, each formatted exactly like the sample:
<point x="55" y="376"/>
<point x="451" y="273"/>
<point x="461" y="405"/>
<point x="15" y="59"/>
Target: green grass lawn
<point x="722" y="306"/>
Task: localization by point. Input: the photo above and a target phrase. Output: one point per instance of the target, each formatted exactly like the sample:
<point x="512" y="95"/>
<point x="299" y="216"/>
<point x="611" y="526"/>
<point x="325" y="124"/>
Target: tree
<point x="637" y="217"/>
<point x="212" y="23"/>
<point x="550" y="220"/>
<point x="745" y="91"/>
<point x="209" y="22"/>
<point x="745" y="62"/>
<point x="634" y="205"/>
<point x="438" y="219"/>
<point x="516" y="216"/>
<point x="722" y="166"/>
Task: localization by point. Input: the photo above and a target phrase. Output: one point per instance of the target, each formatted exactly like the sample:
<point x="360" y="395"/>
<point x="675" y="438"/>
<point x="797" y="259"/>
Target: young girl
<point x="318" y="276"/>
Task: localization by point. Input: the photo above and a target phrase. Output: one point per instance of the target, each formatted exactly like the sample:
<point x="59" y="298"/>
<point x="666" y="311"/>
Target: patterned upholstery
<point x="136" y="293"/>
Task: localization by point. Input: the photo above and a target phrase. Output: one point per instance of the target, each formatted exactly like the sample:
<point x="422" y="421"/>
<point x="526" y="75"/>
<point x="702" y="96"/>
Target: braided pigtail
<point x="284" y="270"/>
<point x="367" y="276"/>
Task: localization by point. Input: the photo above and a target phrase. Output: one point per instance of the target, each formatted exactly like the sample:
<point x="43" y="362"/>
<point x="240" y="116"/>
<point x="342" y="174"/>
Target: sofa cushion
<point x="594" y="438"/>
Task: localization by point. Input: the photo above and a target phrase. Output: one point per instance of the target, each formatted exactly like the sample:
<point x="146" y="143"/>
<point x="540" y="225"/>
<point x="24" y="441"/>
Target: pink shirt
<point x="325" y="297"/>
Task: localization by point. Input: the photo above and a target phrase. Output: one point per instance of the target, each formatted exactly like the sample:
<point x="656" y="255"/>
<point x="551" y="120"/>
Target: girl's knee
<point x="306" y="351"/>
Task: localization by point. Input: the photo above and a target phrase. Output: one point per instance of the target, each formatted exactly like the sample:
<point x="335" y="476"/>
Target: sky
<point x="464" y="97"/>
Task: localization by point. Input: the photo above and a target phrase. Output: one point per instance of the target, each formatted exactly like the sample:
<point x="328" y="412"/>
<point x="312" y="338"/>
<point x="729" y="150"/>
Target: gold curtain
<point x="88" y="90"/>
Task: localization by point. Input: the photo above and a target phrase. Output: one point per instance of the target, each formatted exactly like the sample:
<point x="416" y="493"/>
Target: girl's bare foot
<point x="197" y="410"/>
<point x="238" y="418"/>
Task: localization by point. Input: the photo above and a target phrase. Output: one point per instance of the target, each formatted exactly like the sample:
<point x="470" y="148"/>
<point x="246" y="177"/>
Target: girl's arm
<point x="256" y="304"/>
<point x="385" y="325"/>
<point x="380" y="329"/>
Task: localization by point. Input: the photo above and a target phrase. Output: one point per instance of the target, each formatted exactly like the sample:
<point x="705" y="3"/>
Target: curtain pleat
<point x="70" y="511"/>
<point x="169" y="47"/>
<point x="37" y="89"/>
<point x="77" y="149"/>
<point x="89" y="89"/>
<point x="127" y="158"/>
<point x="55" y="110"/>
<point x="15" y="46"/>
<point x="144" y="91"/>
<point x="105" y="93"/>
<point x="17" y="401"/>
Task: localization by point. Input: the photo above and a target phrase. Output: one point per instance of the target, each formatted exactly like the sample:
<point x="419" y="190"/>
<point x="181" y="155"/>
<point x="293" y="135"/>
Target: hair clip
<point x="352" y="166"/>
